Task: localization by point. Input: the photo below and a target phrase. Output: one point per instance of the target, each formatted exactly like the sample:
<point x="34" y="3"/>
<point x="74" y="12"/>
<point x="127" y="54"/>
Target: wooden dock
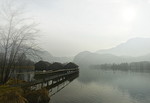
<point x="45" y="77"/>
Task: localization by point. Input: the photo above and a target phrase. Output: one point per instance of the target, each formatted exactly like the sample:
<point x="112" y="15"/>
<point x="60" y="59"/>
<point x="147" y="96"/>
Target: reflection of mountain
<point x="133" y="82"/>
<point x="133" y="47"/>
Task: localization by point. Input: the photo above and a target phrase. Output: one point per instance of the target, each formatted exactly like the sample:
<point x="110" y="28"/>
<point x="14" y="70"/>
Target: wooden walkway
<point x="50" y="75"/>
<point x="49" y="71"/>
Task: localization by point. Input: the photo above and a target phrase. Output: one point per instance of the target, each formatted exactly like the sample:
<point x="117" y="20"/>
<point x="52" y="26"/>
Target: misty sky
<point x="68" y="27"/>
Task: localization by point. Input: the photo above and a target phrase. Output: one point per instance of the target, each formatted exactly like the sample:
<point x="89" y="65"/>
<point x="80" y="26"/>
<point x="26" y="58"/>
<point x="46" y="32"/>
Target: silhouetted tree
<point x="42" y="65"/>
<point x="16" y="38"/>
<point x="55" y="66"/>
<point x="70" y="66"/>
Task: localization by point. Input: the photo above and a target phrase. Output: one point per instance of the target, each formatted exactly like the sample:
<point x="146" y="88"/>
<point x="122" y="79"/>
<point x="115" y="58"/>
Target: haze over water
<point x="112" y="33"/>
<point x="100" y="86"/>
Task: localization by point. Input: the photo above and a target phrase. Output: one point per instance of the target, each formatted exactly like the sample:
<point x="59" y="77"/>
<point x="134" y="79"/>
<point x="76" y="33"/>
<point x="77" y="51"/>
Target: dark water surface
<point x="99" y="86"/>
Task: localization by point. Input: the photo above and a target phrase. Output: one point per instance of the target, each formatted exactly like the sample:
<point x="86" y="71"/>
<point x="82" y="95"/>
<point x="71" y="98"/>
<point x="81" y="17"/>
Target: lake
<point x="101" y="86"/>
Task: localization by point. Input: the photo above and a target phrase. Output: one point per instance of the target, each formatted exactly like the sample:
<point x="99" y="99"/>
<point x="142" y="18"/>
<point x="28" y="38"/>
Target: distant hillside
<point x="133" y="47"/>
<point x="46" y="56"/>
<point x="88" y="58"/>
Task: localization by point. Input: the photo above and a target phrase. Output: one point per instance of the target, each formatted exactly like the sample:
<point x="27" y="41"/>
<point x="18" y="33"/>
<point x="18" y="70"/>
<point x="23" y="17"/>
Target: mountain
<point x="46" y="56"/>
<point x="88" y="58"/>
<point x="133" y="47"/>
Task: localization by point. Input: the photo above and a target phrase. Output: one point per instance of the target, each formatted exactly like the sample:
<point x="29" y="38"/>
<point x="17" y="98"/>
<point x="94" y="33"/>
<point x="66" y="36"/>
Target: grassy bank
<point x="9" y="94"/>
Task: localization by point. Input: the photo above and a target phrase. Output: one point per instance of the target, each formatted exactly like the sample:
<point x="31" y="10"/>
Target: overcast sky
<point x="68" y="27"/>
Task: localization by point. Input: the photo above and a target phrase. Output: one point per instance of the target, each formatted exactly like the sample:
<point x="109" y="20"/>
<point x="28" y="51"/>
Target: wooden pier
<point x="48" y="77"/>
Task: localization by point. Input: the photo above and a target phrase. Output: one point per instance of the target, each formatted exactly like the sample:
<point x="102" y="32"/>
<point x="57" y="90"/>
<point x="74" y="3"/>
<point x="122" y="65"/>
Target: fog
<point x="104" y="42"/>
<point x="68" y="27"/>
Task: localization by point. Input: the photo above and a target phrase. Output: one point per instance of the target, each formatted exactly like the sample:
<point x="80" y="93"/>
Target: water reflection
<point x="55" y="85"/>
<point x="59" y="85"/>
<point x="99" y="86"/>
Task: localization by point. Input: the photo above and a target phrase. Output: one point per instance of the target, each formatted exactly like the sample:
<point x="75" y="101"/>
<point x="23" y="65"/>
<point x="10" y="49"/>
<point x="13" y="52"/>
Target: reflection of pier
<point x="59" y="83"/>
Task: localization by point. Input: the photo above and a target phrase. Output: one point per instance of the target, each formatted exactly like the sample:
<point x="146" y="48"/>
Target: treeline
<point x="44" y="65"/>
<point x="22" y="61"/>
<point x="134" y="66"/>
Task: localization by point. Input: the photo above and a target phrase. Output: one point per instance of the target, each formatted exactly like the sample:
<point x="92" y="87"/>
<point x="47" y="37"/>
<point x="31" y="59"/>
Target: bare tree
<point x="17" y="36"/>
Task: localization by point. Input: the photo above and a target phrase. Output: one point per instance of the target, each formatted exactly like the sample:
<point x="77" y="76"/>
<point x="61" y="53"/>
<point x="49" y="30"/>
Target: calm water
<point x="99" y="86"/>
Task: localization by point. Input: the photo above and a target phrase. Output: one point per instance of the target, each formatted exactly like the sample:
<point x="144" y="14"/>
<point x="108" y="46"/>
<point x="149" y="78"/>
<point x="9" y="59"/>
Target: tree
<point x="17" y="38"/>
